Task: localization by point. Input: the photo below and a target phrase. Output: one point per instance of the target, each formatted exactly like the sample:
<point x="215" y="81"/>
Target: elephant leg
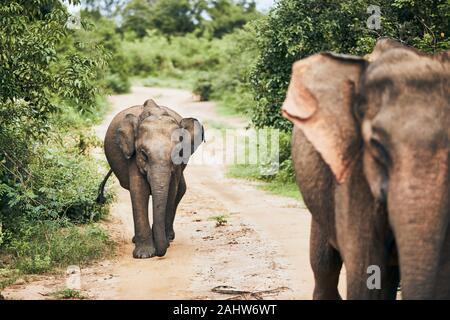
<point x="140" y="193"/>
<point x="443" y="274"/>
<point x="326" y="264"/>
<point x="392" y="282"/>
<point x="170" y="217"/>
<point x="369" y="272"/>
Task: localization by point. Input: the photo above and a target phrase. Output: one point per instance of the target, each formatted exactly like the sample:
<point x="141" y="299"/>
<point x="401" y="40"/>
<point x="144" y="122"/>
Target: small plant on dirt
<point x="220" y="220"/>
<point x="68" y="294"/>
<point x="7" y="277"/>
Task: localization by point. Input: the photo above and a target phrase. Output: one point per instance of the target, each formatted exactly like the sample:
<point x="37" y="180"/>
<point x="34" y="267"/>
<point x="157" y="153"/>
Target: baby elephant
<point x="148" y="148"/>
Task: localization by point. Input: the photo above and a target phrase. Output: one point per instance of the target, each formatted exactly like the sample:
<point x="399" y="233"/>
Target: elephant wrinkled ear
<point x="125" y="135"/>
<point x="196" y="132"/>
<point x="320" y="100"/>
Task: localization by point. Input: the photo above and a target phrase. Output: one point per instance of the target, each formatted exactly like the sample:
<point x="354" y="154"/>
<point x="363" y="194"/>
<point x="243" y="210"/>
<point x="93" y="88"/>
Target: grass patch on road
<point x="68" y="294"/>
<point x="220" y="220"/>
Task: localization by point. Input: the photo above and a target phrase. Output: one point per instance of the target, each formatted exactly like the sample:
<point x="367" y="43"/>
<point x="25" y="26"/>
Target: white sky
<point x="262" y="5"/>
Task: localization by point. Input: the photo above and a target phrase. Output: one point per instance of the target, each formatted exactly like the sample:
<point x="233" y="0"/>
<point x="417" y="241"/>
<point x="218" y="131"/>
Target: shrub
<point x="43" y="246"/>
<point x="202" y="88"/>
<point x="60" y="181"/>
<point x="117" y="83"/>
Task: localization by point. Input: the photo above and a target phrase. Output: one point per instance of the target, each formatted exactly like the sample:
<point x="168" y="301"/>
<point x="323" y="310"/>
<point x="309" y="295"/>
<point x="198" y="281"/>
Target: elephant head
<point x="392" y="112"/>
<point x="157" y="141"/>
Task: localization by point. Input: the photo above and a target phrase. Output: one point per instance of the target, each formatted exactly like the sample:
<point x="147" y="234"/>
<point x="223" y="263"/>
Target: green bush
<point x="51" y="79"/>
<point x="42" y="201"/>
<point x="231" y="76"/>
<point x="43" y="246"/>
<point x="60" y="181"/>
<point x="156" y="55"/>
<point x="202" y="88"/>
<point x="117" y="84"/>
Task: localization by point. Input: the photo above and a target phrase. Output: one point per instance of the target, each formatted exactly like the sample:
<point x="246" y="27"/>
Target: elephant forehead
<point x="158" y="125"/>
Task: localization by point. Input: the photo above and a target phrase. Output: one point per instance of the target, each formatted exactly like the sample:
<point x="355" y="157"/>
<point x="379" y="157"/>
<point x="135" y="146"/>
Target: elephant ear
<point x="125" y="135"/>
<point x="196" y="132"/>
<point x="320" y="100"/>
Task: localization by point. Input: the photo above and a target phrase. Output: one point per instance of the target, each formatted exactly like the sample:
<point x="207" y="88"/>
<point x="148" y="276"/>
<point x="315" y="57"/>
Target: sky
<point x="264" y="5"/>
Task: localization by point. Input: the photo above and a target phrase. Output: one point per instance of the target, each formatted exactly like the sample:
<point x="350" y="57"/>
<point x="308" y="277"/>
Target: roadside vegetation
<point x="51" y="87"/>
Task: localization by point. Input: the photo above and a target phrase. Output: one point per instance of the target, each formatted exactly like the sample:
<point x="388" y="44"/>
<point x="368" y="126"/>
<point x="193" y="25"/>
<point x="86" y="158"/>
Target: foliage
<point x="50" y="80"/>
<point x="68" y="294"/>
<point x="216" y="69"/>
<point x="225" y="16"/>
<point x="41" y="247"/>
<point x="295" y="29"/>
<point x="174" y="17"/>
<point x="49" y="189"/>
<point x="156" y="55"/>
<point x="33" y="72"/>
<point x="230" y="79"/>
<point x="207" y="18"/>
<point x="203" y="87"/>
<point x="104" y="31"/>
<point x="137" y="17"/>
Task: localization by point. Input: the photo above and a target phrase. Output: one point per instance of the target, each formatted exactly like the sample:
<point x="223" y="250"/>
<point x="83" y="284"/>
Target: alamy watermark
<point x="74" y="16"/>
<point x="374" y="21"/>
<point x="73" y="21"/>
<point x="229" y="147"/>
<point x="374" y="279"/>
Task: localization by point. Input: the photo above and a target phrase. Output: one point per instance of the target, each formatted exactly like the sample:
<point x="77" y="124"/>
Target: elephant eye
<point x="144" y="154"/>
<point x="380" y="152"/>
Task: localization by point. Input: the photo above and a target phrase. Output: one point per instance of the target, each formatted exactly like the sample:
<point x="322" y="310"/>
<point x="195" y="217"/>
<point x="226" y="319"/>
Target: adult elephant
<point x="371" y="154"/>
<point x="148" y="148"/>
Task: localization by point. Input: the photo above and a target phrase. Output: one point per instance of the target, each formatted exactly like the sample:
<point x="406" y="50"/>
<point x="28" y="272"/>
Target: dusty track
<point x="263" y="246"/>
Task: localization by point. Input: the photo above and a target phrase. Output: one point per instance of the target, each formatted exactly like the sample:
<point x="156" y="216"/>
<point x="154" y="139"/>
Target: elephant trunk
<point x="159" y="180"/>
<point x="418" y="214"/>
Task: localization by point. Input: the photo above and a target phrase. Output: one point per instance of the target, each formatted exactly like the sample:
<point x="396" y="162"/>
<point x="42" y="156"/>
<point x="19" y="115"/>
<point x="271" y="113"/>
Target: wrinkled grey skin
<point x="371" y="154"/>
<point x="138" y="146"/>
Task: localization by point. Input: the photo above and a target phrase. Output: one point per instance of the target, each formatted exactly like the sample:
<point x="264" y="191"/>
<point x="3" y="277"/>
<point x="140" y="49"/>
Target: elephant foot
<point x="144" y="251"/>
<point x="170" y="236"/>
<point x="133" y="239"/>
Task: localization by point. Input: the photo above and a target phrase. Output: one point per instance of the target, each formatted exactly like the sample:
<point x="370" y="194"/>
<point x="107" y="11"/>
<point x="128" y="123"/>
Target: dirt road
<point x="264" y="245"/>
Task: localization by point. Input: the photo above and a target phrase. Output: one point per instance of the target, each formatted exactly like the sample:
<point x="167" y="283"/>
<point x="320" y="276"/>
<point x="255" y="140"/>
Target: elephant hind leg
<point x="170" y="217"/>
<point x="392" y="282"/>
<point x="326" y="263"/>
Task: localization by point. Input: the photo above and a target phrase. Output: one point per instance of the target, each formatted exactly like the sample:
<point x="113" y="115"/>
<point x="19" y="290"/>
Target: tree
<point x="226" y="15"/>
<point x="43" y="68"/>
<point x="173" y="17"/>
<point x="137" y="17"/>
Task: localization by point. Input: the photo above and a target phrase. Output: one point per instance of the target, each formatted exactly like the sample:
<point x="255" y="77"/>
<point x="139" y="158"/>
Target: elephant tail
<point x="101" y="190"/>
